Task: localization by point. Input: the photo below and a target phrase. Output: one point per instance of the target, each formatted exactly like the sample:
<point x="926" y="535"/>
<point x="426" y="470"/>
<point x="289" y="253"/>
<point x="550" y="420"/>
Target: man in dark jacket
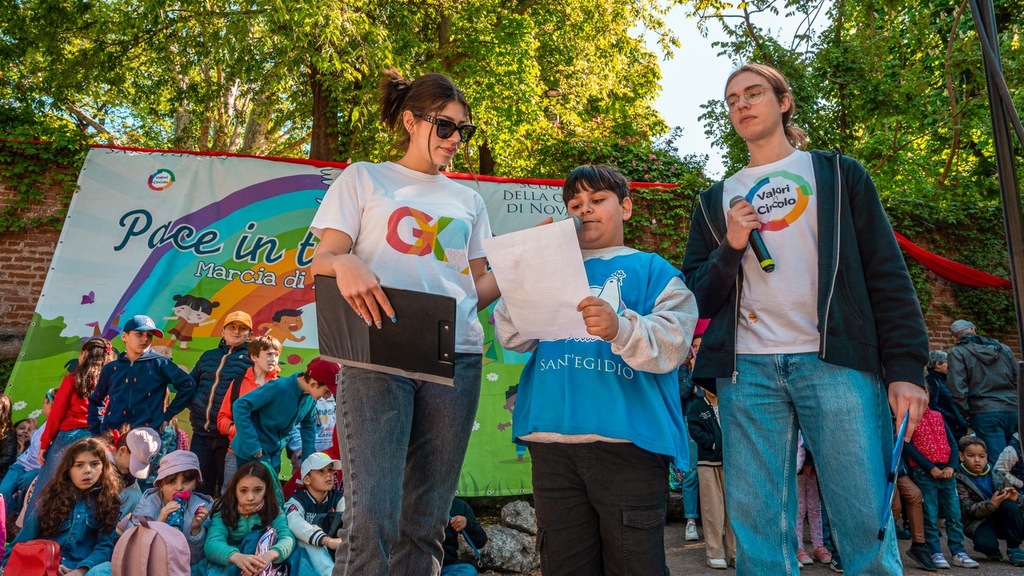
<point x="824" y="340"/>
<point x="215" y="372"/>
<point x="461" y="520"/>
<point x="983" y="378"/>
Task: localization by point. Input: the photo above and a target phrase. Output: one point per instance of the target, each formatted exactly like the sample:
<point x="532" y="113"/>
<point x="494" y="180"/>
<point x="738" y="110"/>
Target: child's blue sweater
<point x="626" y="389"/>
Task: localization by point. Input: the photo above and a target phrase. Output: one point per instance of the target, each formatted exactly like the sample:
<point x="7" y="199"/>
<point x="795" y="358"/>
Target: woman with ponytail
<point x="67" y="421"/>
<point x="403" y="224"/>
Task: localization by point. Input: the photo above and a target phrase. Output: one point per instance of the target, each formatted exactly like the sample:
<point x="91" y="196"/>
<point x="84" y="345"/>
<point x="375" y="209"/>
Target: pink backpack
<point x="151" y="549"/>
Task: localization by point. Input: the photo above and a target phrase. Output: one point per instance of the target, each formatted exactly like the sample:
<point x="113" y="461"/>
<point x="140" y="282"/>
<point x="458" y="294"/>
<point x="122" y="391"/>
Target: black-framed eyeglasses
<point x="445" y="128"/>
<point x="752" y="95"/>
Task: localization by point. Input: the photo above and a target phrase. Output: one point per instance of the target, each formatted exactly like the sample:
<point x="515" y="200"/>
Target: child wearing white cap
<point x="314" y="513"/>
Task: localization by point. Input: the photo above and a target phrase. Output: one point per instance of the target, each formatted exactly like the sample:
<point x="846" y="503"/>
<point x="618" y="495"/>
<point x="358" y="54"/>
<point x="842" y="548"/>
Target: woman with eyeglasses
<point x="403" y="224"/>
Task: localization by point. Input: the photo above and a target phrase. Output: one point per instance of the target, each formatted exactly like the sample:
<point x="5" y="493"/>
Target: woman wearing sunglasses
<point x="403" y="224"/>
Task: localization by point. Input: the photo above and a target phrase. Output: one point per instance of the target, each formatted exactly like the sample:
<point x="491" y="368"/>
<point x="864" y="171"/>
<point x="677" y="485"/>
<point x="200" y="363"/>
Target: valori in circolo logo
<point x="161" y="179"/>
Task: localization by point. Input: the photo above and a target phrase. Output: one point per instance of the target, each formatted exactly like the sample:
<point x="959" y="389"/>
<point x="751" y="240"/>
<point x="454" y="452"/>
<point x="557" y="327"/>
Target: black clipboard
<point x="420" y="345"/>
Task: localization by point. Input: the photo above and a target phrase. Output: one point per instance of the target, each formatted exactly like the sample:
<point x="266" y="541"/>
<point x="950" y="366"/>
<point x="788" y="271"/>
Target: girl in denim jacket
<point x="78" y="509"/>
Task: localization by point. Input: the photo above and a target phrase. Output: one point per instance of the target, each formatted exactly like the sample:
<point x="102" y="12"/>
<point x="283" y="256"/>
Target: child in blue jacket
<point x="602" y="415"/>
<point x="266" y="415"/>
<point x="134" y="386"/>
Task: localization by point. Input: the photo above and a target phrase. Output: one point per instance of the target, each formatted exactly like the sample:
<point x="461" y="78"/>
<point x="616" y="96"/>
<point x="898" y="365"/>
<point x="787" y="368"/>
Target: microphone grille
<point x="577" y="222"/>
<point x="736" y="199"/>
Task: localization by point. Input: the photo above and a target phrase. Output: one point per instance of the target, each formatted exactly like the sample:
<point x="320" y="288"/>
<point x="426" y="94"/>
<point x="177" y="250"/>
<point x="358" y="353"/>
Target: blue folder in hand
<point x="897" y="453"/>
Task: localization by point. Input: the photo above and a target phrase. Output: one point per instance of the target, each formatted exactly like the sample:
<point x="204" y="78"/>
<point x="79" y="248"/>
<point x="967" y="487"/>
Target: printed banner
<point x="188" y="238"/>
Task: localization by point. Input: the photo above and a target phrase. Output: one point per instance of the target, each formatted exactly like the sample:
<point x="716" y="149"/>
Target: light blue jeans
<point x="940" y="500"/>
<point x="691" y="492"/>
<point x="402" y="445"/>
<point x="847" y="425"/>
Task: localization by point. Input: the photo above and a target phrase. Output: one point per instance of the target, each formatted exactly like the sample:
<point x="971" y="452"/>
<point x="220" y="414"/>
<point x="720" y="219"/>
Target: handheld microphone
<point x="764" y="259"/>
<point x="576" y="222"/>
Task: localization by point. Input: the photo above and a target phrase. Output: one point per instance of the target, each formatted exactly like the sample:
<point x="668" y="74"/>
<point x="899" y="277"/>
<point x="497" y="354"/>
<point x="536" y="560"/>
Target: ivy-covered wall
<point x="37" y="181"/>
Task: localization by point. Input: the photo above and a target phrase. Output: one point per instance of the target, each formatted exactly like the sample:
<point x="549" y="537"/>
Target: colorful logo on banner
<point x="780" y="196"/>
<point x="161" y="180"/>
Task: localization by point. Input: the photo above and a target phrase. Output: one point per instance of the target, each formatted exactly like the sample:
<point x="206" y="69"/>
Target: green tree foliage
<point x="300" y="77"/>
<point x="899" y="86"/>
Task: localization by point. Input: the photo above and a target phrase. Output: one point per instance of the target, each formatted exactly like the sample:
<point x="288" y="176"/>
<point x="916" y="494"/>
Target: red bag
<point x="34" y="558"/>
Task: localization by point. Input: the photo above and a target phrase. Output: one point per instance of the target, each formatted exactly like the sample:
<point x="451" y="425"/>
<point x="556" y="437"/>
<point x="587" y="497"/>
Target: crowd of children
<point x="110" y="456"/>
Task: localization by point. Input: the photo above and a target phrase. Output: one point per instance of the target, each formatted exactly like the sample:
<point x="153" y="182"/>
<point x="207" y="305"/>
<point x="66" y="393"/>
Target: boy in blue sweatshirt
<point x="602" y="415"/>
<point x="265" y="416"/>
<point x="136" y="384"/>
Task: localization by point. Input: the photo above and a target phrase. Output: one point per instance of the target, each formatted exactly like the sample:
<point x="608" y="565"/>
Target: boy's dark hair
<point x="289" y="312"/>
<point x="261" y="343"/>
<point x="593" y="178"/>
<point x="971" y="441"/>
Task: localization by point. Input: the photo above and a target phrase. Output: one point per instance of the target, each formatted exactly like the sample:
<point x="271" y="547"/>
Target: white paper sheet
<point x="541" y="276"/>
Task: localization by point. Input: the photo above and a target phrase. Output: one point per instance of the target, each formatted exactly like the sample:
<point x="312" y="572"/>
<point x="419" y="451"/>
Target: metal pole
<point x="985" y="22"/>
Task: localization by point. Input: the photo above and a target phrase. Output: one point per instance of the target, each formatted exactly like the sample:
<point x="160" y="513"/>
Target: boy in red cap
<point x="265" y="416"/>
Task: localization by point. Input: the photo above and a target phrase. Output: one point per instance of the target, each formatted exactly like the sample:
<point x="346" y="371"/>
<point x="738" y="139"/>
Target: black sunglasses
<point x="445" y="128"/>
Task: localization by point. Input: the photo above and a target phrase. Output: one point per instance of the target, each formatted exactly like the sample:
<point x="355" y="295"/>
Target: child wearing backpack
<point x="78" y="510"/>
<point x="314" y="512"/>
<point x="246" y="511"/>
<point x="173" y="500"/>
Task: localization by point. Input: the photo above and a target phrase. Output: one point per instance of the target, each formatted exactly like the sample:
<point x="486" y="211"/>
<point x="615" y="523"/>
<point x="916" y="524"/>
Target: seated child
<point x="174" y="501"/>
<point x="131" y="453"/>
<point x="246" y="512"/>
<point x="990" y="513"/>
<point x="461" y="520"/>
<point x="78" y="509"/>
<point x="932" y="462"/>
<point x="265" y="416"/>
<point x="314" y="512"/>
<point x="1009" y="468"/>
<point x="26" y="467"/>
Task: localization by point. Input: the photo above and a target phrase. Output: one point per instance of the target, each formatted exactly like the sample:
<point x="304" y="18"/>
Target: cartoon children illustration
<point x="285" y="323"/>
<point x="191" y="311"/>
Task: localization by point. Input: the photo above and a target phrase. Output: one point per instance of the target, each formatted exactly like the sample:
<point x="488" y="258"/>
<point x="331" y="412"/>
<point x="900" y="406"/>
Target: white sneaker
<point x="964" y="561"/>
<point x="939" y="560"/>
<point x="691" y="532"/>
<point x="718" y="563"/>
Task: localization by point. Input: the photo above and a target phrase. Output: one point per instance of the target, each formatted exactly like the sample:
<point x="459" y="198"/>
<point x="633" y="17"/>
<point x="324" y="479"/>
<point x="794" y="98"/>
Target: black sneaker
<point x="919" y="554"/>
<point x="902" y="533"/>
<point x="836" y="564"/>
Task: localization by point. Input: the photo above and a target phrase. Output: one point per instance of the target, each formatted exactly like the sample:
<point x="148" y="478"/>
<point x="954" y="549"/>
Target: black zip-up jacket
<point x="705" y="431"/>
<point x="869" y="317"/>
<point x="214" y="373"/>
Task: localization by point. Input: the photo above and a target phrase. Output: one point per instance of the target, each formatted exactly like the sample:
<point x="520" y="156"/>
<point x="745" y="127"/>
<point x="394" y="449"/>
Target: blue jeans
<point x="847" y="425"/>
<point x="940" y="499"/>
<point x="16" y="480"/>
<point x="402" y="445"/>
<point x="60" y="443"/>
<point x="996" y="429"/>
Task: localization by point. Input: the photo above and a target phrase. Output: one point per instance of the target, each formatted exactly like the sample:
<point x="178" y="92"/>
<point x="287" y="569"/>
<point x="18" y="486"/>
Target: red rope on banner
<point x="950" y="270"/>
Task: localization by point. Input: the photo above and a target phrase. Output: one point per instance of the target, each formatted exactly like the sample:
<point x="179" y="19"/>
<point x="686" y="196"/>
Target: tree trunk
<point x="323" y="143"/>
<point x="486" y="160"/>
